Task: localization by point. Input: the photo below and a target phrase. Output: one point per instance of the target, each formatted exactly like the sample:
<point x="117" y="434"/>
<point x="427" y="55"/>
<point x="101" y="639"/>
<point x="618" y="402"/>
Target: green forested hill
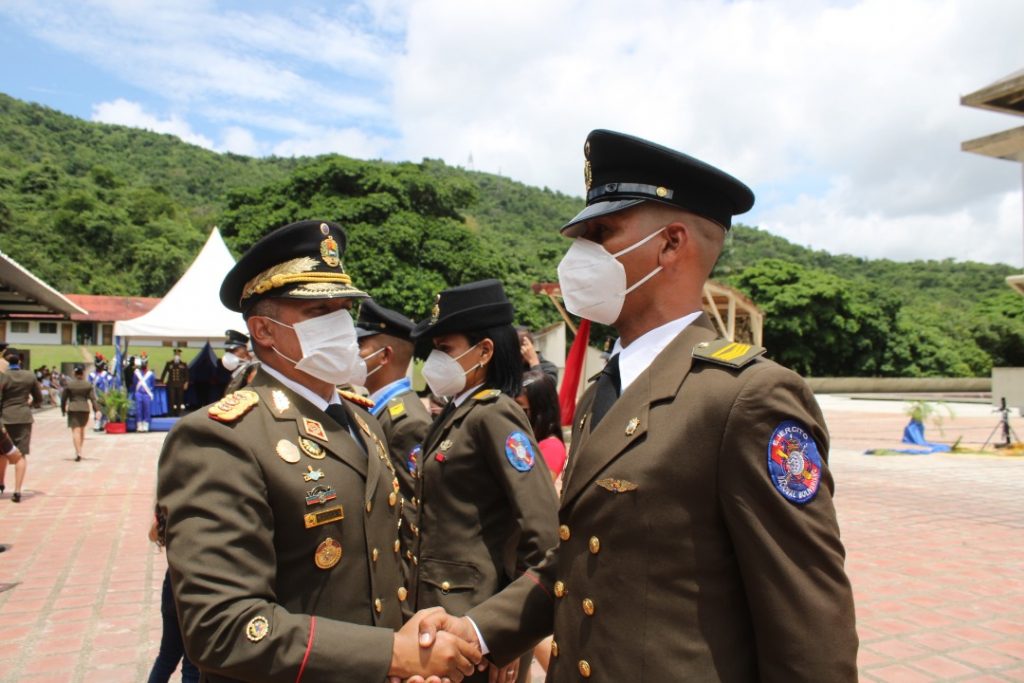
<point x="101" y="209"/>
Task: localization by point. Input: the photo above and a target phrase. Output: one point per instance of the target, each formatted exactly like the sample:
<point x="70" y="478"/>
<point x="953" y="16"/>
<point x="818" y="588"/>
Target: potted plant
<point x="116" y="405"/>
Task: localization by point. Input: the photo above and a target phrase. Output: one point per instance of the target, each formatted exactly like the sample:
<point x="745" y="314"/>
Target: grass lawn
<point x="50" y="355"/>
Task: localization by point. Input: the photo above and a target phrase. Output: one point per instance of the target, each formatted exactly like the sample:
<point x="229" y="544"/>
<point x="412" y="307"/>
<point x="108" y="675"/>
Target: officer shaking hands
<point x="281" y="501"/>
<point x="698" y="539"/>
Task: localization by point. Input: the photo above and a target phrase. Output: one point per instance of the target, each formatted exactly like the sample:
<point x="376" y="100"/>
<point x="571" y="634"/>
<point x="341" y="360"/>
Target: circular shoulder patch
<point x="257" y="629"/>
<point x="794" y="464"/>
<point x="519" y="451"/>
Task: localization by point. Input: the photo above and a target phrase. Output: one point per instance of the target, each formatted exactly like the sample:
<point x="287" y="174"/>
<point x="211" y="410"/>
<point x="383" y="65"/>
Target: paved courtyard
<point x="935" y="551"/>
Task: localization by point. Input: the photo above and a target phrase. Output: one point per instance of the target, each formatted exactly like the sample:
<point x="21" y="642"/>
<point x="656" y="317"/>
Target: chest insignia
<point x="320" y="494"/>
<point x="617" y="485"/>
<point x="328" y="554"/>
<point x="234" y="406"/>
<point x="311" y="474"/>
<point x="794" y="463"/>
<point x="632" y="425"/>
<point x="321" y="517"/>
<point x="414" y="457"/>
<point x="287" y="451"/>
<point x="311" y="448"/>
<point x="281" y="402"/>
<point x="257" y="629"/>
<point x="519" y="451"/>
<point x="314" y="429"/>
<point x="445" y="445"/>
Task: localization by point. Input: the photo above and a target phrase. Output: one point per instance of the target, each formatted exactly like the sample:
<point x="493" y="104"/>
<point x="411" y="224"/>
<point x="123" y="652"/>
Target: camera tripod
<point x="1009" y="436"/>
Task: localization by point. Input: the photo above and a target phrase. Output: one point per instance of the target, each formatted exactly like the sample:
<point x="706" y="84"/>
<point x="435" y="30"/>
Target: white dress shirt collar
<point x="639" y="355"/>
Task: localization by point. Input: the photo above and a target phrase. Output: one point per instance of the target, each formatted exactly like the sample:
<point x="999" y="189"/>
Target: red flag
<point x="573" y="371"/>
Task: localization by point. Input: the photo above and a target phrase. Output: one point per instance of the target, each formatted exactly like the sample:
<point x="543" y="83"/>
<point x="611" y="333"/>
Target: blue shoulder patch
<point x="794" y="464"/>
<point x="519" y="451"/>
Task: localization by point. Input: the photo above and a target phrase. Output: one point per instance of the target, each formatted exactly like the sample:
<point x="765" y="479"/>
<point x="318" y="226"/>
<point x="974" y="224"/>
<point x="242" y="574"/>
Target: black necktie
<point x="337" y="413"/>
<point x="607" y="391"/>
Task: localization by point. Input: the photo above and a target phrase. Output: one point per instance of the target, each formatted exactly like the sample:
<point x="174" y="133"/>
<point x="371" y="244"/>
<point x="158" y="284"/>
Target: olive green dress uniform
<point x="290" y="585"/>
<point x="16" y="386"/>
<point x="78" y="400"/>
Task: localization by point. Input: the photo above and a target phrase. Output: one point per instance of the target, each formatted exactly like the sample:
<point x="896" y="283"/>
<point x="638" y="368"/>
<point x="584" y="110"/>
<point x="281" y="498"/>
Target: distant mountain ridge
<point x="102" y="209"/>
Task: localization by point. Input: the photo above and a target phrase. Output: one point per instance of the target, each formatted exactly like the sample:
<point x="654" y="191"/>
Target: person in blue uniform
<point x="145" y="392"/>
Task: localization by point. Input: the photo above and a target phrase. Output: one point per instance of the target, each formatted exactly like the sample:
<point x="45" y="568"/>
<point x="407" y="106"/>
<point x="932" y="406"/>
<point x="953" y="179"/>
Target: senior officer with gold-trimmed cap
<point x="387" y="350"/>
<point x="699" y="541"/>
<point x="281" y="502"/>
<point x="487" y="507"/>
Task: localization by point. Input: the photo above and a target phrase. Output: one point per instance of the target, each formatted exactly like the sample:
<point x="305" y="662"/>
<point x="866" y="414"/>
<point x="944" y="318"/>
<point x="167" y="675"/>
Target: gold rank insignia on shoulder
<point x="353" y="397"/>
<point x="234" y="406"/>
<point x="487" y="395"/>
<point x="396" y="409"/>
<point x="257" y="629"/>
<point x="728" y="353"/>
<point x="617" y="485"/>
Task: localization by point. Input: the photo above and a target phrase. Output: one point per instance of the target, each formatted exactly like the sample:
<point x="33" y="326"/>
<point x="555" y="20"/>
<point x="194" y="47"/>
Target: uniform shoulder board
<point x="729" y="353"/>
<point x="487" y="394"/>
<point x="353" y="397"/>
<point x="234" y="405"/>
<point x="396" y="408"/>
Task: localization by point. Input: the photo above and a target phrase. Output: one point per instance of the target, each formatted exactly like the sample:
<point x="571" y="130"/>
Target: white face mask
<point x="330" y="351"/>
<point x="593" y="282"/>
<point x="444" y="375"/>
<point x="366" y="358"/>
<point x="230" y="361"/>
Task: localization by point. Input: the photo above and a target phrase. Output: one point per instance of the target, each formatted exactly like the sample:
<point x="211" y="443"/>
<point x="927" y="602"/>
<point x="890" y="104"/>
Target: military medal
<point x="320" y="494"/>
<point x="314" y="429"/>
<point x="281" y="402"/>
<point x="257" y="629"/>
<point x="287" y="451"/>
<point x="328" y="554"/>
<point x="445" y="445"/>
<point x="311" y="474"/>
<point x="311" y="448"/>
<point x="632" y="425"/>
<point x="616" y="485"/>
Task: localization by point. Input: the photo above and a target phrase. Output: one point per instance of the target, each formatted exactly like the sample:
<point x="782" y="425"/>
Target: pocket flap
<point x="449" y="575"/>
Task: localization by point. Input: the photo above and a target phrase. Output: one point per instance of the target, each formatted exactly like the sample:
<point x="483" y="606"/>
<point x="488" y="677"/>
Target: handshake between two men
<point x="436" y="647"/>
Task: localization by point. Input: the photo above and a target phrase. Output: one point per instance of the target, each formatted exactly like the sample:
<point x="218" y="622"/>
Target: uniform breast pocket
<point x="449" y="584"/>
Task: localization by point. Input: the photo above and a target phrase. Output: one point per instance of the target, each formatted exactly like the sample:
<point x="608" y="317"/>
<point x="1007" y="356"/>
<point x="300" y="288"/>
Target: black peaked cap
<point x="375" y="319"/>
<point x="474" y="306"/>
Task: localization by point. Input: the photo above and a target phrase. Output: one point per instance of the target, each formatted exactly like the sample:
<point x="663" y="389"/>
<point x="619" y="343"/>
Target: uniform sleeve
<point x="789" y="553"/>
<point x="63" y="402"/>
<point x="37" y="394"/>
<point x="512" y="621"/>
<point x="222" y="560"/>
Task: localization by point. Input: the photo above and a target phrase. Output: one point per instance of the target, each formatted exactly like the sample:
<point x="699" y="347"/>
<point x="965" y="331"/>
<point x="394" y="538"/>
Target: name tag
<point x="327" y="516"/>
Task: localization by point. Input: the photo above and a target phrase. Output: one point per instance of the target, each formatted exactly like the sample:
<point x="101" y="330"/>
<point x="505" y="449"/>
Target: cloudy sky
<point x="844" y="117"/>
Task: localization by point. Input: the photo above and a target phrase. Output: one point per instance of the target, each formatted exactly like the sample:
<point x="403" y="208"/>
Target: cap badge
<point x="325" y="229"/>
<point x="329" y="251"/>
<point x="435" y="312"/>
<point x="661" y="191"/>
<point x="588" y="176"/>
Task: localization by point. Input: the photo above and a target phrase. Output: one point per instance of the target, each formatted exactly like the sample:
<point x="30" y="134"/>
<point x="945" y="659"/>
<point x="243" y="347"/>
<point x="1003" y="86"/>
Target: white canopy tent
<point x="192" y="310"/>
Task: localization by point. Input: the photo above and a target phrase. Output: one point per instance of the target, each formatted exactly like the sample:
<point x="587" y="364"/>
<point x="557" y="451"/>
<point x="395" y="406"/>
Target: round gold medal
<point x="328" y="554"/>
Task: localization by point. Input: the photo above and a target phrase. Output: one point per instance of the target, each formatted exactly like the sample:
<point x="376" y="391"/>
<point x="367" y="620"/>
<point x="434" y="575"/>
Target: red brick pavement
<point x="934" y="547"/>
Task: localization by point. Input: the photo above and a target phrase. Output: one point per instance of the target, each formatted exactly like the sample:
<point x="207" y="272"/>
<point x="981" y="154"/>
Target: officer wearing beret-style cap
<point x="387" y="350"/>
<point x="281" y="502"/>
<point x="699" y="541"/>
<point x="486" y="501"/>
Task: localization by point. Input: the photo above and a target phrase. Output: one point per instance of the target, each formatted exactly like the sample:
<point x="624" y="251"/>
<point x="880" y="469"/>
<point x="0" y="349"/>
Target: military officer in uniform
<point x="175" y="376"/>
<point x="699" y="540"/>
<point x="281" y="502"/>
<point x="387" y="350"/>
<point x="20" y="392"/>
<point x="487" y="507"/>
<point x="237" y="360"/>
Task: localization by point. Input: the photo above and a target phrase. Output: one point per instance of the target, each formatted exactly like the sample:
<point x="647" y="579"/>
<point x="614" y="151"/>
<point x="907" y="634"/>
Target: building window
<point x="19" y="327"/>
<point x="47" y="328"/>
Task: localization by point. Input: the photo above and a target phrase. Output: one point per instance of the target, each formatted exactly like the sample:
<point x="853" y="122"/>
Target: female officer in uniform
<point x="75" y="402"/>
<point x="487" y="507"/>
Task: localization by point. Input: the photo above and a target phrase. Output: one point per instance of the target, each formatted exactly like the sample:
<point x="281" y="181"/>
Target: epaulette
<point x="353" y="397"/>
<point x="396" y="408"/>
<point x="729" y="353"/>
<point x="234" y="405"/>
<point x="487" y="394"/>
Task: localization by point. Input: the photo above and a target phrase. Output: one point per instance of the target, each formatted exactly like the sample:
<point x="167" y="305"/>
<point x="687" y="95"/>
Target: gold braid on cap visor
<point x="297" y="270"/>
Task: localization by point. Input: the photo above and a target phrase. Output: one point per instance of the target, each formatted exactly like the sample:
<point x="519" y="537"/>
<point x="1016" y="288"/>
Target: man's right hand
<point x="420" y="650"/>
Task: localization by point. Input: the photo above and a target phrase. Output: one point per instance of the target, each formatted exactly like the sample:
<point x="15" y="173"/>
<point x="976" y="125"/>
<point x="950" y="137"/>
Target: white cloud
<point x="350" y="142"/>
<point x="125" y="113"/>
<point x="240" y="141"/>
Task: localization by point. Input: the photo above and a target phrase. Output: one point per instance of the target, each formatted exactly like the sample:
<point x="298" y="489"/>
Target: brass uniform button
<point x="415" y="501"/>
<point x="408" y="555"/>
<point x="397" y="546"/>
<point x="445" y="586"/>
<point x="595" y="545"/>
<point x="584" y="668"/>
<point x="392" y="499"/>
<point x="369" y="506"/>
<point x="374" y="555"/>
<point x="402" y="593"/>
<point x="563" y="532"/>
<point x="588" y="607"/>
<point x="559" y="589"/>
<point x="415" y="560"/>
<point x="554" y="649"/>
<point x="378" y="606"/>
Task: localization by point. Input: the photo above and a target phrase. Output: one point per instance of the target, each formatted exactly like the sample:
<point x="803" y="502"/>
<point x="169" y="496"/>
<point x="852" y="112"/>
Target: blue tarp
<point x="913" y="433"/>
